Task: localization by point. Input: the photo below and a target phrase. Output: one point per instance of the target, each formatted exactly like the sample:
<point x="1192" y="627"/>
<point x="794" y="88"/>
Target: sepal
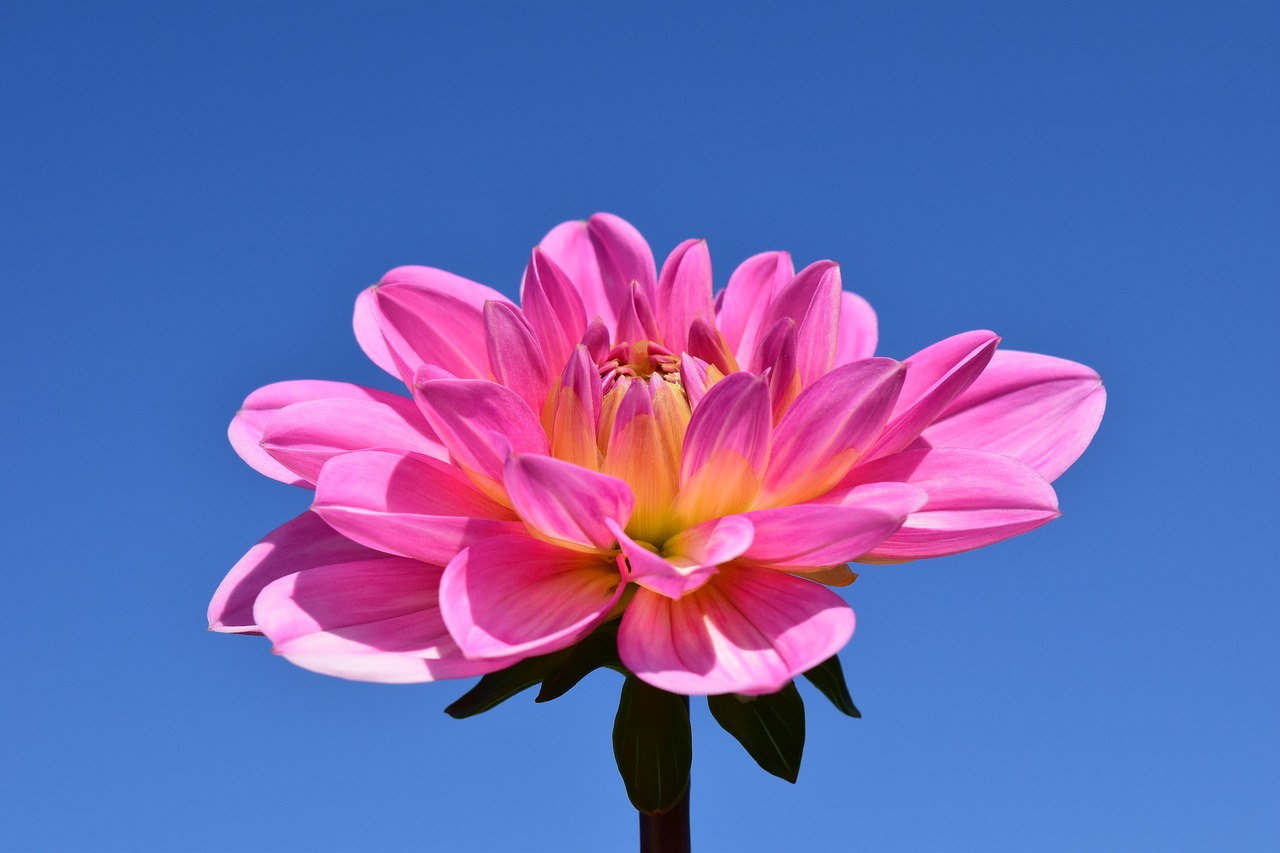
<point x="653" y="745"/>
<point x="770" y="727"/>
<point x="829" y="678"/>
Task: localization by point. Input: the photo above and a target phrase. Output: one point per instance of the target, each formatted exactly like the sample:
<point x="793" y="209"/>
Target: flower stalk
<point x="667" y="832"/>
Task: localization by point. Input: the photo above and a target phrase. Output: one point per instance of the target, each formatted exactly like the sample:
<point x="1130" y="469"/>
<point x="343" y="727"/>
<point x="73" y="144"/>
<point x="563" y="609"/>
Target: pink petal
<point x="747" y="630"/>
<point x="306" y="542"/>
<point x="827" y="429"/>
<point x="672" y="578"/>
<point x="515" y="357"/>
<point x="245" y="431"/>
<point x="824" y="534"/>
<point x="1036" y="408"/>
<point x="794" y="299"/>
<point x="935" y="376"/>
<point x="684" y="292"/>
<point x="777" y="355"/>
<point x="726" y="450"/>
<point x="602" y="256"/>
<point x="637" y="320"/>
<point x="566" y="504"/>
<point x="368" y="620"/>
<point x="816" y="336"/>
<point x="429" y="316"/>
<point x="858" y="329"/>
<point x="408" y="504"/>
<point x="975" y="498"/>
<point x="303" y="436"/>
<point x="552" y="307"/>
<point x="466" y="413"/>
<point x="368" y="335"/>
<point x="705" y="342"/>
<point x="693" y="376"/>
<point x="515" y="595"/>
<point x="573" y="414"/>
<point x="747" y="300"/>
<point x="596" y="339"/>
<point x="735" y="419"/>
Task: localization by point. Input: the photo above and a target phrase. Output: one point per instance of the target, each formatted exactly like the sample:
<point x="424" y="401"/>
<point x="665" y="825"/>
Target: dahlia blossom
<point x="628" y="447"/>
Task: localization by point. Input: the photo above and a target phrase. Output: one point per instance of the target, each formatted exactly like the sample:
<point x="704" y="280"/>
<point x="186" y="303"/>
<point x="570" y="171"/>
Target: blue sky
<point x="193" y="194"/>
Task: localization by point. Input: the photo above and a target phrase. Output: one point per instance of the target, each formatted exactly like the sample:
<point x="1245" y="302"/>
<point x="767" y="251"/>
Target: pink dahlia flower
<point x="625" y="445"/>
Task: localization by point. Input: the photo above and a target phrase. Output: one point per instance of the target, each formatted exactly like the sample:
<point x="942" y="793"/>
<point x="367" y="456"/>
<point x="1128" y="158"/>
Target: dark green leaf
<point x="829" y="678"/>
<point x="497" y="687"/>
<point x="599" y="649"/>
<point x="653" y="746"/>
<point x="769" y="727"/>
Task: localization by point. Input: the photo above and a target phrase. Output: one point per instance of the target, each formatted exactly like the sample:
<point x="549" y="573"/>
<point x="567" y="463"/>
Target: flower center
<point x="639" y="360"/>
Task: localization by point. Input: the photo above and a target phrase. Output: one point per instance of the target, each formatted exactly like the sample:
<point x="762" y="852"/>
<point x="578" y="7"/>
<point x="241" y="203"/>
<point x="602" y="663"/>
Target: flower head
<point x="626" y="445"/>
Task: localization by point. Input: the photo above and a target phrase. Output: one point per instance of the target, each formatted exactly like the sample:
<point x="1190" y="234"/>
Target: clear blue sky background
<point x="193" y="194"/>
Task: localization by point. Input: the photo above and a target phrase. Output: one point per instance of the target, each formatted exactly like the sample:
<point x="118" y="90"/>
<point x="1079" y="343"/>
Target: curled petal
<point x="777" y="355"/>
<point x="515" y="357"/>
<point x="827" y="534"/>
<point x="408" y="504"/>
<point x="602" y="256"/>
<point x="553" y="308"/>
<point x="704" y="342"/>
<point x="816" y="337"/>
<point x="684" y="292"/>
<point x="306" y="542"/>
<point x="245" y="431"/>
<point x="746" y="630"/>
<point x="748" y="297"/>
<point x="935" y="376"/>
<point x="565" y="504"/>
<point x="515" y="595"/>
<point x="974" y="499"/>
<point x="827" y="429"/>
<point x="367" y="620"/>
<point x="670" y="577"/>
<point x="1038" y="409"/>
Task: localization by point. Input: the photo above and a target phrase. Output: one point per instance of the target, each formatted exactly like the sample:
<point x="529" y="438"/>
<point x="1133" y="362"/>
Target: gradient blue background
<point x="193" y="194"/>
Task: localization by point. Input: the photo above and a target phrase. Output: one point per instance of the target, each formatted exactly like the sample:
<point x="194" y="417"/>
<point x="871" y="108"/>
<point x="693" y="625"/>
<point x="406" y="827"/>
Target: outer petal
<point x="368" y="335"/>
<point x="859" y="331"/>
<point x="304" y="436"/>
<point x="515" y="595"/>
<point x="467" y="413"/>
<point x="515" y="357"/>
<point x="817" y="335"/>
<point x="1036" y="408"/>
<point x="369" y="620"/>
<point x="429" y="316"/>
<point x="684" y="292"/>
<point x="747" y="299"/>
<point x="565" y="504"/>
<point x="975" y="499"/>
<point x="827" y="429"/>
<point x="259" y="407"/>
<point x="553" y="308"/>
<point x="825" y="534"/>
<point x="935" y="376"/>
<point x="306" y="542"/>
<point x="408" y="504"/>
<point x="602" y="256"/>
<point x="747" y="630"/>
